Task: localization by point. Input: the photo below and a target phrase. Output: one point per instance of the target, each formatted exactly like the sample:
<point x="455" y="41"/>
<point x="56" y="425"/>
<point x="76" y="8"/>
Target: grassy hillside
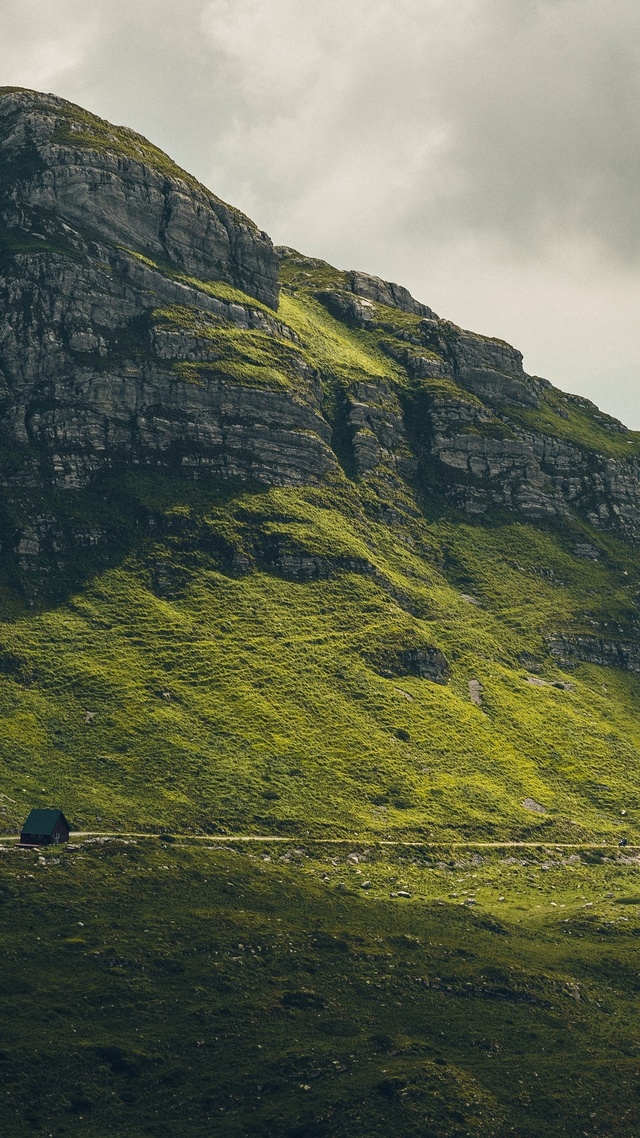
<point x="153" y="988"/>
<point x="194" y="685"/>
<point x="244" y="660"/>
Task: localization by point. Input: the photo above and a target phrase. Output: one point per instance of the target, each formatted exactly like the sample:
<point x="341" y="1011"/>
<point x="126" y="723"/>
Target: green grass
<point x="220" y="290"/>
<point x="248" y="359"/>
<point x="335" y="350"/>
<point x="150" y="988"/>
<point x="561" y="416"/>
<point x="289" y="705"/>
<point x="14" y="242"/>
<point x="223" y="291"/>
<point x="298" y="272"/>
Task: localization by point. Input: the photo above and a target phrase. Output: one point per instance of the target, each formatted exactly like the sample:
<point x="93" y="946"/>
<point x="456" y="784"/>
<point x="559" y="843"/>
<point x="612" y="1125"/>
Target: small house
<point x="45" y="828"/>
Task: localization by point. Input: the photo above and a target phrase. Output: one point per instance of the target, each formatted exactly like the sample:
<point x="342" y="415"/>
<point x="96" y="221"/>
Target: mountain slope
<point x="335" y="566"/>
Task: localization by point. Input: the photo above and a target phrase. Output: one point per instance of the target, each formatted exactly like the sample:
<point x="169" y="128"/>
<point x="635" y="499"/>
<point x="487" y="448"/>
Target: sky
<point x="484" y="153"/>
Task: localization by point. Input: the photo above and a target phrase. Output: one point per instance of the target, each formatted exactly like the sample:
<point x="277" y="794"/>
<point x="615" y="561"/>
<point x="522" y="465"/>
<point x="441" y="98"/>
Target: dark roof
<point x="43" y="821"/>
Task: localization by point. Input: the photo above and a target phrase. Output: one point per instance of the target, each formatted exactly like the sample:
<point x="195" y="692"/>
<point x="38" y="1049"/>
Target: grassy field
<point x="289" y="990"/>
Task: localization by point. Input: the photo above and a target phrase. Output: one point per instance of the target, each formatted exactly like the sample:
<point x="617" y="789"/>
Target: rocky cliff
<point x="108" y="254"/>
<point x="139" y="326"/>
<point x="481" y="430"/>
<point x="66" y="174"/>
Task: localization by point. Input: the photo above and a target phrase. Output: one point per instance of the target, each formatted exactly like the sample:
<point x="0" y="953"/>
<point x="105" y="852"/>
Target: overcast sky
<point x="485" y="153"/>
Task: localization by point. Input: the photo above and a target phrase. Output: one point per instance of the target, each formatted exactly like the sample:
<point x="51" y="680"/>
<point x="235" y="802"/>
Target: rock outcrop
<point x="386" y="292"/>
<point x="139" y="327"/>
<point x="471" y="421"/>
<point x="64" y="168"/>
<point x="579" y="648"/>
<point x="107" y="252"/>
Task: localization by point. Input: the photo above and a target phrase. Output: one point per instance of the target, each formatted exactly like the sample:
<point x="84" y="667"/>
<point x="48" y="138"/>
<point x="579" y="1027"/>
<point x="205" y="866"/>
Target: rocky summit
<point x="320" y="625"/>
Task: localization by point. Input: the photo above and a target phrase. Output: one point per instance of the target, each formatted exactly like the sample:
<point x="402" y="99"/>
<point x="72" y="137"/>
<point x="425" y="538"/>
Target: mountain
<point x="335" y="565"/>
<point x="319" y="621"/>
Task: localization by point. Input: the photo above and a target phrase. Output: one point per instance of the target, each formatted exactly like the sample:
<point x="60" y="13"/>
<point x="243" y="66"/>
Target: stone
<point x="538" y="682"/>
<point x="73" y="399"/>
<point x="387" y="293"/>
<point x="536" y="807"/>
<point x="586" y="550"/>
<point x="605" y="651"/>
<point x="475" y="692"/>
<point x="429" y="663"/>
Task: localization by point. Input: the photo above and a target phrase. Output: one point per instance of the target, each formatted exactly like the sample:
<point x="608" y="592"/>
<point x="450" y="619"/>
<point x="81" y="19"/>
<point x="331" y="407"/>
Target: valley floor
<point x="292" y="990"/>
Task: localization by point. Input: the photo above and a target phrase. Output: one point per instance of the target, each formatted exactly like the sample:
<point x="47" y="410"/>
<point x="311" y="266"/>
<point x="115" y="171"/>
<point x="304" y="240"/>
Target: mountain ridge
<point x="488" y="447"/>
<point x="241" y="523"/>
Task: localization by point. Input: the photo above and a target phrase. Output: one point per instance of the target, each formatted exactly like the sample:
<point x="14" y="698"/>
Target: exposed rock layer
<point x="108" y="181"/>
<point x="115" y="348"/>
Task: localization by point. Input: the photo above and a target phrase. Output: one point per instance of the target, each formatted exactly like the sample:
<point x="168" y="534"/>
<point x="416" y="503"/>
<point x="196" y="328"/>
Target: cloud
<point x="37" y="49"/>
<point x="486" y="152"/>
<point x="514" y="118"/>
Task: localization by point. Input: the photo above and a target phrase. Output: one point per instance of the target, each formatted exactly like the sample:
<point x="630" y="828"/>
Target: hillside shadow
<point x="54" y="543"/>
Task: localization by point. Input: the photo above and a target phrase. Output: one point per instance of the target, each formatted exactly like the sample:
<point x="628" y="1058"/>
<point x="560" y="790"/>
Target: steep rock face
<point x="489" y="368"/>
<point x="386" y="292"/>
<point x="83" y="395"/>
<point x="124" y="340"/>
<point x="114" y="347"/>
<point x="508" y="464"/>
<point x="572" y="649"/>
<point x="106" y="180"/>
<point x="378" y="433"/>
